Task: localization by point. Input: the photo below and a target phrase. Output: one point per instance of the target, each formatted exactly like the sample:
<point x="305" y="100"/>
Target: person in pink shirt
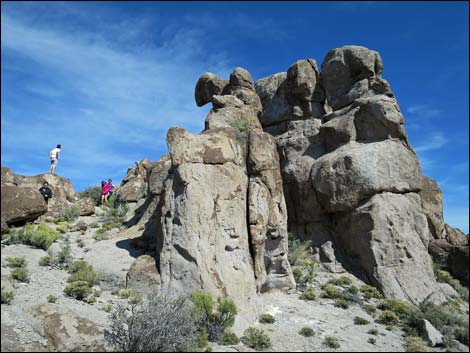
<point x="105" y="187"/>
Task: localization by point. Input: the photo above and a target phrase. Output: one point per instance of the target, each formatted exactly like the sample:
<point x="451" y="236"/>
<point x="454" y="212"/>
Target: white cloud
<point x="423" y="111"/>
<point x="435" y="142"/>
<point x="457" y="217"/>
<point x="108" y="102"/>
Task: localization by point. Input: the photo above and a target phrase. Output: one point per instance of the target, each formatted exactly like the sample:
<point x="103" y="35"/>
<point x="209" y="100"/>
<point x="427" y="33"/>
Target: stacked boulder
<point x="351" y="179"/>
<point x="22" y="202"/>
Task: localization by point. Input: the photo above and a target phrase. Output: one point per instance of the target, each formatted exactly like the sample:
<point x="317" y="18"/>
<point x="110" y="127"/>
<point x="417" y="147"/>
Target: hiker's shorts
<point x="54" y="162"/>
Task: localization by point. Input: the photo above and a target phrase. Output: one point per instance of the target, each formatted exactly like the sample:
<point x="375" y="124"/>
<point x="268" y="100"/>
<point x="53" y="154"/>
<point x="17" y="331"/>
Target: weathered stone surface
<point x="433" y="336"/>
<point x="455" y="236"/>
<point x="207" y="86"/>
<point x="133" y="190"/>
<point x="8" y="176"/>
<point x="143" y="276"/>
<point x="86" y="206"/>
<point x="241" y="86"/>
<point x="388" y="235"/>
<point x="431" y="202"/>
<point x="357" y="171"/>
<point x="351" y="72"/>
<point x="458" y="262"/>
<point x="273" y="95"/>
<point x="338" y="132"/>
<point x="229" y="111"/>
<point x="21" y="204"/>
<point x="68" y="332"/>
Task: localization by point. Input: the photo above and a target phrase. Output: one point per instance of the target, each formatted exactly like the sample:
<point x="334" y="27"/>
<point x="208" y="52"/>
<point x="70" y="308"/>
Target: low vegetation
<point x="81" y="279"/>
<point x="7" y="296"/>
<point x="40" y="236"/>
<point x="229" y="339"/>
<point x="298" y="249"/>
<point x="257" y="338"/>
<point x="94" y="192"/>
<point x="51" y="298"/>
<point x="72" y="213"/>
<point x="388" y="318"/>
<point x="308" y="294"/>
<point x="415" y="344"/>
<point x="331" y="292"/>
<point x="267" y="319"/>
<point x="370" y="292"/>
<point x="360" y="321"/>
<point x="163" y="323"/>
<point x="342" y="303"/>
<point x="16" y="262"/>
<point x="101" y="234"/>
<point x="331" y="342"/>
<point x="306" y="332"/>
<point x="242" y="124"/>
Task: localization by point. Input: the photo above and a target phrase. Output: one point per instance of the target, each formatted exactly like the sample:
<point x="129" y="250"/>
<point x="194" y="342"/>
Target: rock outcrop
<point x="22" y="202"/>
<point x="350" y="177"/>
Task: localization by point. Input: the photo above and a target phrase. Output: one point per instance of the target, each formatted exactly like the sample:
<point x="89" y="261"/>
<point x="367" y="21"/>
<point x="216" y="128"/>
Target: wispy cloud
<point x="423" y="111"/>
<point x="108" y="104"/>
<point x="435" y="142"/>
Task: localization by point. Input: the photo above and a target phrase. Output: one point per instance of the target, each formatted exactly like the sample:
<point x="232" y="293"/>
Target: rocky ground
<point x="30" y="323"/>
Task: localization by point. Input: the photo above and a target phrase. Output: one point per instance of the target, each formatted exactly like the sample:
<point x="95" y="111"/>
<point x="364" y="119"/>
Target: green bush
<point x="298" y="274"/>
<point x="72" y="213"/>
<point x="21" y="274"/>
<point x="353" y="290"/>
<point x="308" y="294"/>
<point x="267" y="319"/>
<point x="94" y="225"/>
<point x="229" y="339"/>
<point x="81" y="271"/>
<point x="64" y="257"/>
<point x="51" y="298"/>
<point x="306" y="332"/>
<point x="371" y="340"/>
<point x="373" y="331"/>
<point x="78" y="290"/>
<point x="46" y="260"/>
<point x="360" y="321"/>
<point x="16" y="262"/>
<point x="242" y="124"/>
<point x="101" y="234"/>
<point x="388" y="318"/>
<point x="108" y="225"/>
<point x="107" y="308"/>
<point x="341" y="303"/>
<point x="298" y="249"/>
<point x="331" y="342"/>
<point x="214" y="321"/>
<point x="203" y="338"/>
<point x="369" y="308"/>
<point x="371" y="292"/>
<point x="403" y="309"/>
<point x="91" y="300"/>
<point x="331" y="292"/>
<point x="7" y="296"/>
<point x="461" y="334"/>
<point x="126" y="293"/>
<point x="93" y="192"/>
<point x="341" y="281"/>
<point x="257" y="339"/>
<point x="40" y="237"/>
<point x="415" y="344"/>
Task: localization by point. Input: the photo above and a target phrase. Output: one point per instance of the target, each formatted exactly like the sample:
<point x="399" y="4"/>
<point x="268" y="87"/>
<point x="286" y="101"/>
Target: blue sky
<point x="107" y="80"/>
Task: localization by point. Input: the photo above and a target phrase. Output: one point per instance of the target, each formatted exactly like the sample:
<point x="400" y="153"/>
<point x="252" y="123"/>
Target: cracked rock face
<point x="350" y="177"/>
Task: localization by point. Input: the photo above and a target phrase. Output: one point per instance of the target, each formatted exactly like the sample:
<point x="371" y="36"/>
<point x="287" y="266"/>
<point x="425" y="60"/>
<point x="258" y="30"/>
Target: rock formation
<point x="22" y="201"/>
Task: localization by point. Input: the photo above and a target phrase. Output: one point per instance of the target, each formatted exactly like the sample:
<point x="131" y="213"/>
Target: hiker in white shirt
<point x="54" y="156"/>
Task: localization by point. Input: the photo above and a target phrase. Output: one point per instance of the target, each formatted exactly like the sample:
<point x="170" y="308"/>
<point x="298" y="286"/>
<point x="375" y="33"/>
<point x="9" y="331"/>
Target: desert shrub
<point x="40" y="237"/>
<point x="162" y="323"/>
<point x="125" y="293"/>
<point x="101" y="234"/>
<point x="308" y="294"/>
<point x="443" y="276"/>
<point x="62" y="229"/>
<point x="51" y="298"/>
<point x="306" y="332"/>
<point x="93" y="192"/>
<point x="403" y="309"/>
<point x="415" y="344"/>
<point x="331" y="342"/>
<point x="97" y="292"/>
<point x="298" y="274"/>
<point x="72" y="213"/>
<point x="108" y="225"/>
<point x="203" y="338"/>
<point x="214" y="320"/>
<point x="16" y="262"/>
<point x="298" y="249"/>
<point x="373" y="331"/>
<point x="7" y="296"/>
<point x="331" y="292"/>
<point x="353" y="290"/>
<point x="341" y="303"/>
<point x="78" y="290"/>
<point x="242" y="124"/>
<point x="388" y="318"/>
<point x="371" y="292"/>
<point x="107" y="308"/>
<point x="371" y="340"/>
<point x="341" y="281"/>
<point x="350" y="297"/>
<point x="94" y="225"/>
<point x="229" y="339"/>
<point x="369" y="308"/>
<point x="81" y="271"/>
<point x="80" y="243"/>
<point x="64" y="257"/>
<point x="267" y="319"/>
<point x="91" y="300"/>
<point x="20" y="274"/>
<point x="256" y="338"/>
<point x="360" y="321"/>
<point x="81" y="226"/>
<point x="461" y="334"/>
<point x="47" y="260"/>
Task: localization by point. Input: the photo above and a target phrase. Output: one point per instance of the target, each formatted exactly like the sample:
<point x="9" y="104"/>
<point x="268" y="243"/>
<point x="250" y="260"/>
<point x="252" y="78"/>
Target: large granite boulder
<point x="207" y="86"/>
<point x="86" y="206"/>
<point x="21" y="204"/>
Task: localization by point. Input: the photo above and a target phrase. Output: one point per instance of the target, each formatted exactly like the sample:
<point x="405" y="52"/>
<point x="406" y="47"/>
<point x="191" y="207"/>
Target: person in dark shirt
<point x="46" y="192"/>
